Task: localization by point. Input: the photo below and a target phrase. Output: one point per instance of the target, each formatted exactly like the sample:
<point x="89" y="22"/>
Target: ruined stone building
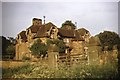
<point x="75" y="38"/>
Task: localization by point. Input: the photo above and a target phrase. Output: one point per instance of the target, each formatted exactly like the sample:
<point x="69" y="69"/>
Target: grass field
<point x="42" y="70"/>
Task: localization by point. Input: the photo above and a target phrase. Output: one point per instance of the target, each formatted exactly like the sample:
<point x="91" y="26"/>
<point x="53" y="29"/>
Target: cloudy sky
<point x="94" y="16"/>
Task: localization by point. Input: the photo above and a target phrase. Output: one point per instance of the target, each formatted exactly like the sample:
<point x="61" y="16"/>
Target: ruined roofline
<point x="23" y="36"/>
<point x="37" y="19"/>
<point x="43" y="28"/>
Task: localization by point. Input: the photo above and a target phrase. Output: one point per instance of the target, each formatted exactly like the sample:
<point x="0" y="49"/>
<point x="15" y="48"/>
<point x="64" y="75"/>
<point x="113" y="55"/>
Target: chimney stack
<point x="44" y="19"/>
<point x="37" y="21"/>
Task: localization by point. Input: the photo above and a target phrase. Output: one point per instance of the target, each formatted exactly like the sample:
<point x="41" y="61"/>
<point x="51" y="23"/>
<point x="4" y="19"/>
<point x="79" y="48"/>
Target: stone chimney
<point x="37" y="21"/>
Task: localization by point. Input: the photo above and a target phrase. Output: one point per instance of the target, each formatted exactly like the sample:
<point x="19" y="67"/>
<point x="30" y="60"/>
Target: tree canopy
<point x="10" y="51"/>
<point x="68" y="25"/>
<point x="59" y="43"/>
<point x="109" y="39"/>
<point x="38" y="48"/>
<point x="5" y="44"/>
<point x="8" y="47"/>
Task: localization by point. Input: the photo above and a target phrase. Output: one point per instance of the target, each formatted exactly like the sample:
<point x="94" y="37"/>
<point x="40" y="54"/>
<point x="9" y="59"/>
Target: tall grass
<point x="8" y="72"/>
<point x="42" y="70"/>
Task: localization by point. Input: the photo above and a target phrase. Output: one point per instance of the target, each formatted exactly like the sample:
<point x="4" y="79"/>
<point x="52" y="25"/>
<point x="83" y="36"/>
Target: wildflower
<point x="88" y="74"/>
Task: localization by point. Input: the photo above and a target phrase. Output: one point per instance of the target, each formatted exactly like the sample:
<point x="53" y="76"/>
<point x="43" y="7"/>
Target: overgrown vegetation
<point x="39" y="48"/>
<point x="70" y="24"/>
<point x="109" y="39"/>
<point x="59" y="43"/>
<point x="10" y="51"/>
<point x="8" y="47"/>
<point x="26" y="58"/>
<point x="9" y="72"/>
<point x="42" y="70"/>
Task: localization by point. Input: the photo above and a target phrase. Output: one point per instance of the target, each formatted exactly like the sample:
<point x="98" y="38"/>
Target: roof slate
<point x="70" y="34"/>
<point x="42" y="32"/>
<point x="82" y="31"/>
<point x="78" y="37"/>
<point x="66" y="33"/>
<point x="34" y="28"/>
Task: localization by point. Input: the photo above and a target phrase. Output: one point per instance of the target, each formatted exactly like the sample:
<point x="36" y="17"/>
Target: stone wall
<point x="93" y="54"/>
<point x="30" y="36"/>
<point x="21" y="50"/>
<point x="44" y="40"/>
<point x="78" y="47"/>
<point x="109" y="57"/>
<point x="54" y="33"/>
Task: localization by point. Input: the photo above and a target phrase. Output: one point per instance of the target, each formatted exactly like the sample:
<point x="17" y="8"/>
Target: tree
<point x="39" y="48"/>
<point x="12" y="40"/>
<point x="5" y="44"/>
<point x="109" y="39"/>
<point x="10" y="51"/>
<point x="8" y="47"/>
<point x="68" y="25"/>
<point x="59" y="43"/>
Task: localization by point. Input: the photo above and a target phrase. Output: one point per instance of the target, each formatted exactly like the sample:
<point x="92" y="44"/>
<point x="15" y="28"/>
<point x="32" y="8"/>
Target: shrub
<point x="11" y="51"/>
<point x="39" y="48"/>
<point x="59" y="43"/>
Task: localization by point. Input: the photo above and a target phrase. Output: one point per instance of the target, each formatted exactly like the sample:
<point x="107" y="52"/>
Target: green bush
<point x="39" y="48"/>
<point x="59" y="43"/>
<point x="10" y="52"/>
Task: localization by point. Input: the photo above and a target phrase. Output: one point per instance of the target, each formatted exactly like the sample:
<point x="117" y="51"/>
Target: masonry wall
<point x="30" y="36"/>
<point x="21" y="50"/>
<point x="78" y="47"/>
<point x="109" y="56"/>
<point x="93" y="54"/>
